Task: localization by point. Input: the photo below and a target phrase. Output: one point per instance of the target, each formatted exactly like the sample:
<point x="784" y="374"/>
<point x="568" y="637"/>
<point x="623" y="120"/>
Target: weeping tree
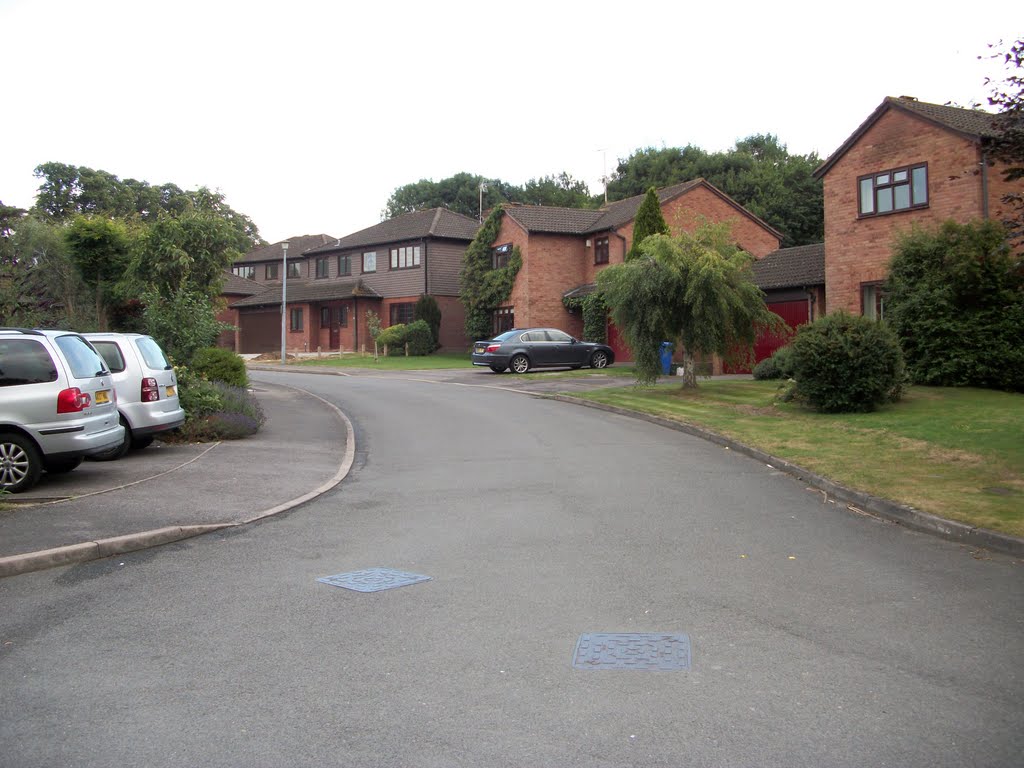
<point x="697" y="288"/>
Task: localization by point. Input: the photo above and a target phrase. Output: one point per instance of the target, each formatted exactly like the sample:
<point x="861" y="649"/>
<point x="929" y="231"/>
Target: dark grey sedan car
<point x="524" y="348"/>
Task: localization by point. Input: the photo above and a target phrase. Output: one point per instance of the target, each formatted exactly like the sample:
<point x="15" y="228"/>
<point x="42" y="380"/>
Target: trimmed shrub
<point x="393" y="337"/>
<point x="219" y="364"/>
<point x="419" y="338"/>
<point x="778" y="366"/>
<point x="843" y="363"/>
<point x="428" y="310"/>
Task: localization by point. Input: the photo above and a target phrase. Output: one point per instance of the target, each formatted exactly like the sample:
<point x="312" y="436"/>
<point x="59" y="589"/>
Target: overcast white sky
<point x="307" y="115"/>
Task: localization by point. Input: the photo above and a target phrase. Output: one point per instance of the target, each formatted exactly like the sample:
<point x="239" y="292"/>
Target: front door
<point x="336" y="328"/>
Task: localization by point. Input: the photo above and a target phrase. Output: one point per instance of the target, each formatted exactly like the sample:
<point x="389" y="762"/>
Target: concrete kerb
<point x="27" y="562"/>
<point x="856" y="501"/>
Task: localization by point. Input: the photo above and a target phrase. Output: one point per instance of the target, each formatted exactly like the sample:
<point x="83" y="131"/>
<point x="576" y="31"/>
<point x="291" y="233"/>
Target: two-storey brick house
<point x="332" y="283"/>
<point x="910" y="163"/>
<point x="564" y="249"/>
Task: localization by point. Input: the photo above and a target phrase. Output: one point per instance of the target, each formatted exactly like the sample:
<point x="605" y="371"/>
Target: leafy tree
<point x="696" y="287"/>
<point x="52" y="290"/>
<point x="955" y="299"/>
<point x="482" y="288"/>
<point x="14" y="271"/>
<point x="649" y="221"/>
<point x="98" y="248"/>
<point x="374" y="327"/>
<point x="562" y="191"/>
<point x="190" y="251"/>
<point x="1008" y="97"/>
<point x="759" y="173"/>
<point x="459" y="193"/>
<point x="182" y="323"/>
<point x="426" y="309"/>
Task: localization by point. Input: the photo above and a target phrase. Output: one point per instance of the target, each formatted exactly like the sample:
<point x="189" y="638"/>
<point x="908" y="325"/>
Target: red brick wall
<point x="859" y="250"/>
<point x="511" y="232"/>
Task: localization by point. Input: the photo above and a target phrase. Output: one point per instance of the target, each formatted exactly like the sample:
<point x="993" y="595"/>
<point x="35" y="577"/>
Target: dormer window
<point x="899" y="189"/>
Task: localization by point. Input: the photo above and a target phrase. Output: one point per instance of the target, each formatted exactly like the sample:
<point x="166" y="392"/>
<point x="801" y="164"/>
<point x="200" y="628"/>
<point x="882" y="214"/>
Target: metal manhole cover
<point x="625" y="650"/>
<point x="373" y="579"/>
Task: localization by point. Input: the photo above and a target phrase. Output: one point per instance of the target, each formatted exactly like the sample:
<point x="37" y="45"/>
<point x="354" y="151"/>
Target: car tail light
<point x="493" y="347"/>
<point x="73" y="400"/>
<point x="150" y="391"/>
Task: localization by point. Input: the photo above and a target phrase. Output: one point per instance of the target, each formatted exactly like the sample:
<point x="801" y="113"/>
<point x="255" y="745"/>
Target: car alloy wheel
<point x="599" y="360"/>
<point x="519" y="364"/>
<point x="20" y="464"/>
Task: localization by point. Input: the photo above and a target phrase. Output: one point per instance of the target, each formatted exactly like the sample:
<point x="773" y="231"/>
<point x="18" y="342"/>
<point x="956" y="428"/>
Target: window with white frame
<point x="248" y="272"/>
<point x="370" y="261"/>
<point x="405" y="257"/>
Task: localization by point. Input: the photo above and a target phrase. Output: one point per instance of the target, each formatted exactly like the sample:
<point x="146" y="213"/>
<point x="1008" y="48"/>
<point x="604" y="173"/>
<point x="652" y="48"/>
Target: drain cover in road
<point x="648" y="651"/>
<point x="374" y="579"/>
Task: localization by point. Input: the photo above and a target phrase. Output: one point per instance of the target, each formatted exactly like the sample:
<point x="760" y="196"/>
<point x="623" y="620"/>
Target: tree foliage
<point x="461" y="193"/>
<point x="1008" y="147"/>
<point x="649" y="221"/>
<point x="482" y="288"/>
<point x="98" y="247"/>
<point x="696" y="287"/>
<point x="844" y="363"/>
<point x="758" y="173"/>
<point x="67" y="191"/>
<point x="955" y="299"/>
<point x="182" y="323"/>
<point x="428" y="311"/>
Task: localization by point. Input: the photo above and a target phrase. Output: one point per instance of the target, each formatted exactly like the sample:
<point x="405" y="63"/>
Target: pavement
<point x="171" y="491"/>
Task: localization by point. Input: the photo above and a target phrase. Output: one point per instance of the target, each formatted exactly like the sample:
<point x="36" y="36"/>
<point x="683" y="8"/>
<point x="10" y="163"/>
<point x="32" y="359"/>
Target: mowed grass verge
<point x="956" y="453"/>
<point x="436" y="361"/>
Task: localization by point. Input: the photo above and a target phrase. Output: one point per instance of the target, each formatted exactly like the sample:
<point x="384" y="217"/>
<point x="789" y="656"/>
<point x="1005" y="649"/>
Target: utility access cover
<point x="626" y="650"/>
<point x="373" y="579"/>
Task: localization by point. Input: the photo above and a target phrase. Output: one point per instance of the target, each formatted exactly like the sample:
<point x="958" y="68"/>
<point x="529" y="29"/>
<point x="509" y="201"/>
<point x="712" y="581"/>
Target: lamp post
<point x="284" y="297"/>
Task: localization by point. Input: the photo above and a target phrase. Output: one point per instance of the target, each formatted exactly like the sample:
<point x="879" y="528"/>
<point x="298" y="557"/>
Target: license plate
<point x="170" y="391"/>
<point x="102" y="396"/>
<point x="480" y="350"/>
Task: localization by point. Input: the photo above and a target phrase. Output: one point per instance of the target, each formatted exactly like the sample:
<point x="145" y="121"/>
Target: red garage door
<point x="794" y="313"/>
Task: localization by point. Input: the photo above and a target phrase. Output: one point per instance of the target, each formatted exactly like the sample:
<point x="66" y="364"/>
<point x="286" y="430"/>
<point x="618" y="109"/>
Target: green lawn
<point x="436" y="361"/>
<point x="957" y="453"/>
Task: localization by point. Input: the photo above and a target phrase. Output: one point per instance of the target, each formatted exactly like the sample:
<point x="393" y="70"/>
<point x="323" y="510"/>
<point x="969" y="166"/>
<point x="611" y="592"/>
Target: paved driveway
<point x="818" y="637"/>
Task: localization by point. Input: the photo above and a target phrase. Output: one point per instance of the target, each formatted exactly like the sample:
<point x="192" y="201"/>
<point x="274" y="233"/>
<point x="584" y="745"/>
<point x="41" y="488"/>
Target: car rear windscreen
<point x="83" y="359"/>
<point x="152" y="354"/>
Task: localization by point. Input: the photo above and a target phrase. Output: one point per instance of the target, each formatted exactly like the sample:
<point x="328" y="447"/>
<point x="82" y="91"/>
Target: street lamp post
<point x="284" y="297"/>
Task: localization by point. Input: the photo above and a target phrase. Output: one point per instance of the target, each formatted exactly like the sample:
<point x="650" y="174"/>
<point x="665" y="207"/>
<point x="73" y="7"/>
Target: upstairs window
<point x="249" y="272"/>
<point x="406" y="257"/>
<point x="601" y="250"/>
<point x="344" y="265"/>
<point x="322" y="266"/>
<point x="500" y="255"/>
<point x="370" y="261"/>
<point x="294" y="269"/>
<point x="899" y="189"/>
<point x="271" y="272"/>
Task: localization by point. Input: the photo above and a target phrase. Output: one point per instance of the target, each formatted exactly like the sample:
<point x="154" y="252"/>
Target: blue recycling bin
<point x="667" y="348"/>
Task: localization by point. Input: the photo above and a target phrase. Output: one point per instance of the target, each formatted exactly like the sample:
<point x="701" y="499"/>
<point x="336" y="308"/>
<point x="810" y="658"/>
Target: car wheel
<point x="60" y="466"/>
<point x="519" y="364"/>
<point x="20" y="463"/>
<point x="138" y="443"/>
<point x="497" y="369"/>
<point x="115" y="453"/>
<point x="599" y="359"/>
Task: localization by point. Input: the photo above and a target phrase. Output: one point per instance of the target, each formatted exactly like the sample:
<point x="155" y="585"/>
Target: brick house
<point x="563" y="249"/>
<point x="234" y="289"/>
<point x="910" y="163"/>
<point x="793" y="282"/>
<point x="333" y="282"/>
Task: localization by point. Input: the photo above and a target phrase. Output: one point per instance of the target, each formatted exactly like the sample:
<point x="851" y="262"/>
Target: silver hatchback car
<point x="57" y="405"/>
<point x="147" y="389"/>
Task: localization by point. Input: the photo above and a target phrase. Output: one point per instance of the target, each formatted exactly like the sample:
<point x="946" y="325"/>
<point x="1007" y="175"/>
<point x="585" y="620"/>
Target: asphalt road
<point x="819" y="637"/>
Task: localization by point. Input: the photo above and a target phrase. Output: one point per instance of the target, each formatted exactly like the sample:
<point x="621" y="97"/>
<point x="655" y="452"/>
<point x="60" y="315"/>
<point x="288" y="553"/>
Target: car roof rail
<point x="29" y="331"/>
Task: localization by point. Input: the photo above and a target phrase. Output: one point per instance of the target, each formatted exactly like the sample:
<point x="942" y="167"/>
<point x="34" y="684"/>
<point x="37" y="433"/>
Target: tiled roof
<point x="973" y="123"/>
<point x="236" y="285"/>
<point x="300" y="291"/>
<point x="796" y="267"/>
<point x="296" y="246"/>
<point x="435" y="222"/>
<point x="576" y="221"/>
<point x="553" y="220"/>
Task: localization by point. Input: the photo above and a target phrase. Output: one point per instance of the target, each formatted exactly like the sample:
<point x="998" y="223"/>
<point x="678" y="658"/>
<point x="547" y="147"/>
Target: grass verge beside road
<point x="956" y="453"/>
<point x="436" y="361"/>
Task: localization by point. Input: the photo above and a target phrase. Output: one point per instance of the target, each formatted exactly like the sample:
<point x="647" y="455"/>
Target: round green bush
<point x="393" y="337"/>
<point x="419" y="338"/>
<point x="219" y="364"/>
<point x="843" y="363"/>
<point x="778" y="366"/>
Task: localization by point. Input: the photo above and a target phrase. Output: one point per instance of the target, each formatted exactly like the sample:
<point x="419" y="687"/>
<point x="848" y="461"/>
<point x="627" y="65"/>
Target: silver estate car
<point x="57" y="405"/>
<point x="147" y="388"/>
